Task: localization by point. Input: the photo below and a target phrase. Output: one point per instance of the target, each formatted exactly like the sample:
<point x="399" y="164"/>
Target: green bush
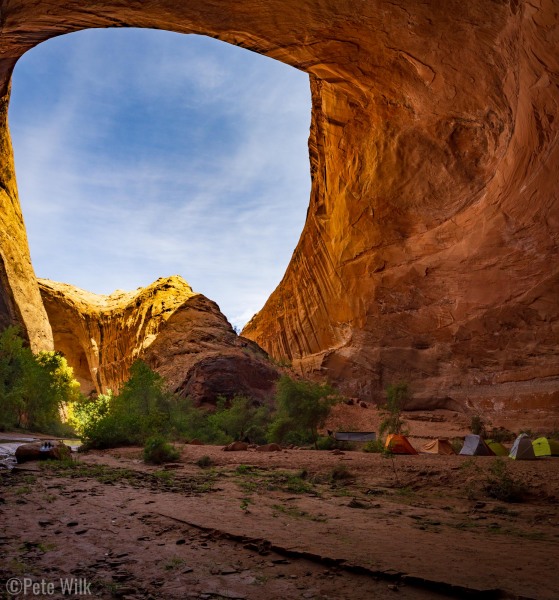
<point x="188" y="422"/>
<point x="145" y="408"/>
<point x="204" y="462"/>
<point x="158" y="451"/>
<point x="329" y="443"/>
<point x="500" y="484"/>
<point x="374" y="447"/>
<point x="302" y="408"/>
<point x="457" y="443"/>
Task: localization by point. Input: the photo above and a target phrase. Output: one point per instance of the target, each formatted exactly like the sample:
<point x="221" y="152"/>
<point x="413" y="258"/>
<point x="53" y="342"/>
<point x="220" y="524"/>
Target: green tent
<point x="497" y="448"/>
<point x="545" y="447"/>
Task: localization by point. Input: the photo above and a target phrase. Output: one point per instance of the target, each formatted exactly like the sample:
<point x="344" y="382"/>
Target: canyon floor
<point x="286" y="525"/>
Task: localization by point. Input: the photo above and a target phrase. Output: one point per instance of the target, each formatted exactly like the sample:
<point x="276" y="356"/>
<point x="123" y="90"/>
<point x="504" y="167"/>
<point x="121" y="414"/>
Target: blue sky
<point x="141" y="154"/>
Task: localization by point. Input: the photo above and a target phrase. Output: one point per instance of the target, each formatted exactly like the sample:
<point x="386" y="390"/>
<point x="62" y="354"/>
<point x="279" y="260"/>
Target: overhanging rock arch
<point x="430" y="249"/>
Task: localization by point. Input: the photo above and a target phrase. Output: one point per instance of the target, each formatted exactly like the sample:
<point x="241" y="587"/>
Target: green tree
<point x="15" y="363"/>
<point x="34" y="390"/>
<point x="142" y="409"/>
<point x="397" y="396"/>
<point x="302" y="408"/>
<point x="145" y="395"/>
<point x="242" y="419"/>
<point x="85" y="414"/>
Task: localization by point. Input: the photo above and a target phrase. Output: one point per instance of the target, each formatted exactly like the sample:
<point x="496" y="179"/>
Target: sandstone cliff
<point x="179" y="333"/>
<point x="430" y="250"/>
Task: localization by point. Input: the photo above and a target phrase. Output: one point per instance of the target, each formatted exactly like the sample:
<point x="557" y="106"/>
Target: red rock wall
<point x="180" y="334"/>
<point x="430" y="249"/>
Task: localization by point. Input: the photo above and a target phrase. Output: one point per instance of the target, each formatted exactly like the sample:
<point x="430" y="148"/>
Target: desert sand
<point x="290" y="524"/>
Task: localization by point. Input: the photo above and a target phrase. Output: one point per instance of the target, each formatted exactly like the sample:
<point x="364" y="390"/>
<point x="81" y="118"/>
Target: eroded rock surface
<point x="181" y="334"/>
<point x="430" y="250"/>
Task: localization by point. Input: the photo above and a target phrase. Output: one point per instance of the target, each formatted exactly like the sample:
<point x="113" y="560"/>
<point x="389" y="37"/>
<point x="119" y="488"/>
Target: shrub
<point x="243" y="419"/>
<point x="330" y="443"/>
<point x="302" y="407"/>
<point x="204" y="462"/>
<point x="500" y="484"/>
<point x="374" y="446"/>
<point x="457" y="444"/>
<point x="477" y="425"/>
<point x="341" y="473"/>
<point x="157" y="451"/>
<point x="188" y="422"/>
<point x="500" y="434"/>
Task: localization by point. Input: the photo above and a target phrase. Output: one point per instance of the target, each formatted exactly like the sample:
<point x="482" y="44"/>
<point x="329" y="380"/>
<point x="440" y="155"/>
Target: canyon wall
<point x="180" y="334"/>
<point x="430" y="248"/>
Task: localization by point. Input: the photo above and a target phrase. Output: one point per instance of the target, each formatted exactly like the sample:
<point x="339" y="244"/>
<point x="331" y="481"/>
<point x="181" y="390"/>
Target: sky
<point x="141" y="154"/>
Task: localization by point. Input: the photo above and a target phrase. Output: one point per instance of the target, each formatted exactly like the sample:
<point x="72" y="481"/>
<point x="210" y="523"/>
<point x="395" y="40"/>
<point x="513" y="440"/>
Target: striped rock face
<point x="430" y="249"/>
<point x="179" y="333"/>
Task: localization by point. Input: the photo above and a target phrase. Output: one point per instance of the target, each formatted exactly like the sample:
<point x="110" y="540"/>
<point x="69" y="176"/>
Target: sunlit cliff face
<point x="179" y="333"/>
<point x="431" y="240"/>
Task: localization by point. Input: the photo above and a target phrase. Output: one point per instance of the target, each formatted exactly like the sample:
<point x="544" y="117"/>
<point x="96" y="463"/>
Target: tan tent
<point x="440" y="446"/>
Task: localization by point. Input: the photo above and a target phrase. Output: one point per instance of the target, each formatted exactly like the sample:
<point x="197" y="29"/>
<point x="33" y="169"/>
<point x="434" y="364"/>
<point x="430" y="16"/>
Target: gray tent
<point x="522" y="448"/>
<point x="475" y="446"/>
<point x="355" y="436"/>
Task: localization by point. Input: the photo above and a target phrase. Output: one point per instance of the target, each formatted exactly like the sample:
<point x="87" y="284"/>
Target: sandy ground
<point x="286" y="525"/>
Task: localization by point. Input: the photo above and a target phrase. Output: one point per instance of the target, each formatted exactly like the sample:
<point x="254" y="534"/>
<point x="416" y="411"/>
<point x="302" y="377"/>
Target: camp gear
<point x="399" y="444"/>
<point x="475" y="446"/>
<point x="522" y="448"/>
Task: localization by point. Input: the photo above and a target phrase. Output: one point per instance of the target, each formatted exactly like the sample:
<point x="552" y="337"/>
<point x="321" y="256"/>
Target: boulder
<point x="42" y="451"/>
<point x="235" y="447"/>
<point x="268" y="448"/>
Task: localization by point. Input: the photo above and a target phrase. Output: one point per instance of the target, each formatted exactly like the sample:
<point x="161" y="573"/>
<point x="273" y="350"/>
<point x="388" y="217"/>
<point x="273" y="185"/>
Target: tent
<point x="399" y="444"/>
<point x="545" y="447"/>
<point x="354" y="436"/>
<point x="440" y="446"/>
<point x="522" y="448"/>
<point x="497" y="448"/>
<point x="475" y="446"/>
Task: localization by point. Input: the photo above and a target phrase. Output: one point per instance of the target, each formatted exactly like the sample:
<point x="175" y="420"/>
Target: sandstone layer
<point x="181" y="334"/>
<point x="430" y="249"/>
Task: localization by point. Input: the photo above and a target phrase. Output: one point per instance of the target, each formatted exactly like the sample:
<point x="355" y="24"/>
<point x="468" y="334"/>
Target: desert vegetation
<point x="39" y="392"/>
<point x="144" y="408"/>
<point x="35" y="389"/>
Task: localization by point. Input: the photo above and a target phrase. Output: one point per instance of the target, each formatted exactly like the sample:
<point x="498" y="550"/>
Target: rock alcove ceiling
<point x="430" y="248"/>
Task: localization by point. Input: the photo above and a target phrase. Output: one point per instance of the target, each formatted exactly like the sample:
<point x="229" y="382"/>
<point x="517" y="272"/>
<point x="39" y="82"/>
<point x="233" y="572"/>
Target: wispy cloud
<point x="181" y="155"/>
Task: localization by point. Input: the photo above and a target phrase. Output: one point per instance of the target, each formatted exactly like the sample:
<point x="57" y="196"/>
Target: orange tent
<point x="399" y="444"/>
<point x="438" y="447"/>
